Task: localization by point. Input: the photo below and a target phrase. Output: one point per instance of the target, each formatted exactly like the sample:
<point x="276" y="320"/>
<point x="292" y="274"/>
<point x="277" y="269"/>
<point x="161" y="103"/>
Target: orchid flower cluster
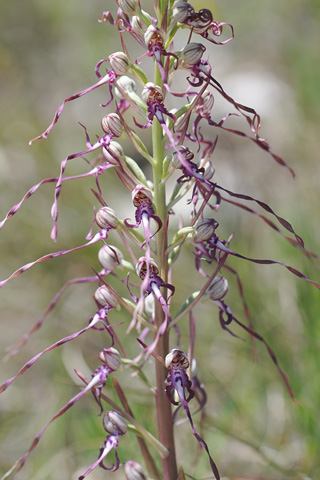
<point x="180" y="159"/>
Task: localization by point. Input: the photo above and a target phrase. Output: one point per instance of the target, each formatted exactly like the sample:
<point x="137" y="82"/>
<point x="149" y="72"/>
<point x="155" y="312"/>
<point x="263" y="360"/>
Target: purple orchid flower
<point x="106" y="220"/>
<point x="154" y="40"/>
<point x="208" y="243"/>
<point x="148" y="272"/>
<point x="202" y="23"/>
<point x="116" y="426"/>
<point x="112" y="127"/>
<point x="142" y="199"/>
<point x="105" y="300"/>
<point x="191" y="59"/>
<point x="110" y="357"/>
<point x="120" y="65"/>
<point x="178" y="383"/>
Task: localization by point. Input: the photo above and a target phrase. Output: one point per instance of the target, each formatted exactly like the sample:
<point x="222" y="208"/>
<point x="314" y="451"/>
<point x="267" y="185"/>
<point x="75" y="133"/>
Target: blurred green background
<point x="48" y="51"/>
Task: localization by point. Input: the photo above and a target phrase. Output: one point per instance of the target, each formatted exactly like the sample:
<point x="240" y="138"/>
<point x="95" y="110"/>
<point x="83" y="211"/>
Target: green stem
<point x="164" y="413"/>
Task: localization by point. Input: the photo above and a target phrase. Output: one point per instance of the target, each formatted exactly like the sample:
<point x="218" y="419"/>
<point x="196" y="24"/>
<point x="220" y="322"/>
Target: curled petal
<point x="97" y="318"/>
<point x="103" y="80"/>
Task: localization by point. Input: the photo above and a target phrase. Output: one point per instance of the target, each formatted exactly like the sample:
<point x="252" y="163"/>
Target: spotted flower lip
<point x="140" y="195"/>
<point x="144" y="266"/>
<point x="176" y="359"/>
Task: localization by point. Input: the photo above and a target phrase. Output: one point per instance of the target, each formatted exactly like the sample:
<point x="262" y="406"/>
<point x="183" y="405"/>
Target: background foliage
<point x="47" y="52"/>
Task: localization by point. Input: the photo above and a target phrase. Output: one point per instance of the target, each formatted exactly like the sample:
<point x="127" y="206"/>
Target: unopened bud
<point x="111" y="358"/>
<point x="177" y="359"/>
<point x="115" y="149"/>
<point x="204" y="230"/>
<point x="129" y="7"/>
<point x="217" y="288"/>
<point x="105" y="297"/>
<point x="119" y="63"/>
<point x="191" y="54"/>
<point x="138" y="25"/>
<point x="208" y="170"/>
<point x="181" y="11"/>
<point x="106" y="218"/>
<point x="205" y="105"/>
<point x="110" y="257"/>
<point x="185" y="152"/>
<point x="134" y="471"/>
<point x="181" y="122"/>
<point x="112" y="124"/>
<point x="125" y="83"/>
<point x="140" y="195"/>
<point x="114" y="423"/>
<point x="142" y="268"/>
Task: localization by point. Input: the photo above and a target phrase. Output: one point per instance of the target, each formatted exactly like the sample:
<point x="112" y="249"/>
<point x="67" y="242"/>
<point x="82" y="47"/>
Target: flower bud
<point x="134" y="471"/>
<point x="142" y="268"/>
<point x="140" y="195"/>
<point x="194" y="368"/>
<point x="112" y="124"/>
<point x="111" y="358"/>
<point x="181" y="122"/>
<point x="105" y="297"/>
<point x="129" y="7"/>
<point x="119" y="63"/>
<point x="185" y="152"/>
<point x="182" y="11"/>
<point x="204" y="229"/>
<point x="138" y="25"/>
<point x="110" y="257"/>
<point x="205" y="105"/>
<point x="153" y="37"/>
<point x="217" y="288"/>
<point x="208" y="170"/>
<point x="114" y="423"/>
<point x="127" y="84"/>
<point x="116" y="149"/>
<point x="177" y="359"/>
<point x="191" y="54"/>
<point x="106" y="218"/>
<point x="203" y="21"/>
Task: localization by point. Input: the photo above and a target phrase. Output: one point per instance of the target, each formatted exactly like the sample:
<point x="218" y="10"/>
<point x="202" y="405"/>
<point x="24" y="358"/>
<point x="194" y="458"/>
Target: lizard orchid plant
<point x="180" y="168"/>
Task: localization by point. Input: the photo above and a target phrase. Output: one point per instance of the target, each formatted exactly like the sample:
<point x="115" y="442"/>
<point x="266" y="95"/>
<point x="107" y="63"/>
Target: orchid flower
<point x="178" y="383"/>
<point x="111" y="361"/>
